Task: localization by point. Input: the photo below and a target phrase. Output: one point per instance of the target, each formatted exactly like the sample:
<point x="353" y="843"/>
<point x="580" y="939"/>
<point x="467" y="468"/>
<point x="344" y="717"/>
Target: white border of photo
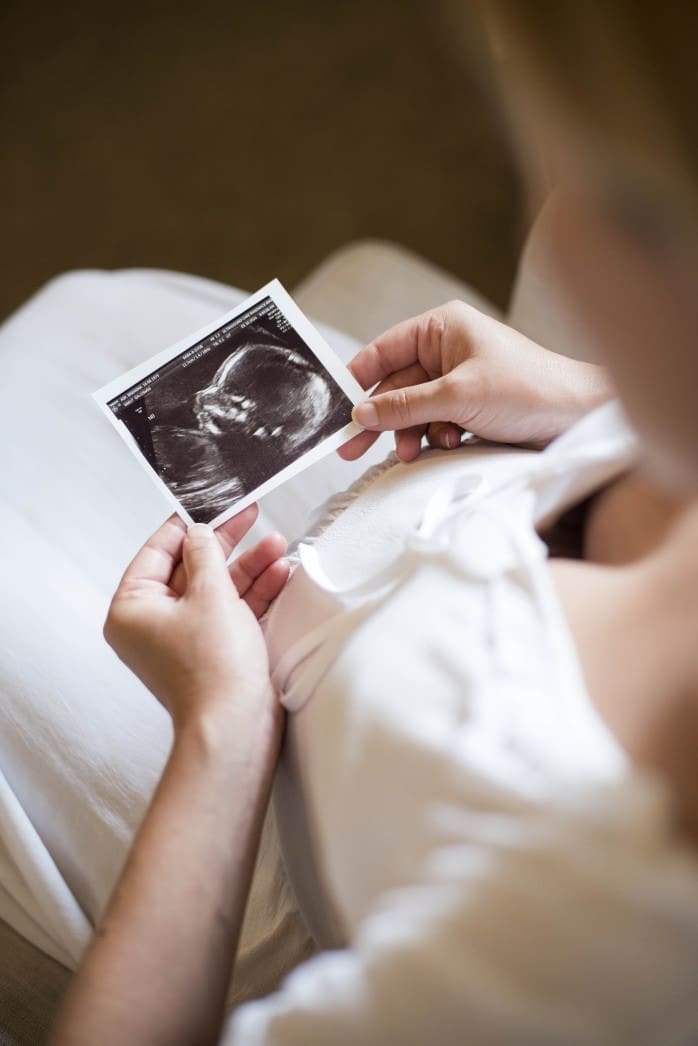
<point x="315" y="342"/>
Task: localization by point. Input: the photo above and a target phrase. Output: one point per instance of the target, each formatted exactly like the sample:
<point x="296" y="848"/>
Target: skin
<point x="641" y="665"/>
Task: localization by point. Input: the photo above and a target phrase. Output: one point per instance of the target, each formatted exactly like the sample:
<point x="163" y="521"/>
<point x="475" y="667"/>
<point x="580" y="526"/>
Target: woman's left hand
<point x="186" y="624"/>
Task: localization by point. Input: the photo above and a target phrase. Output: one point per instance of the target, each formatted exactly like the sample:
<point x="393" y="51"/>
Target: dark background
<point x="246" y="140"/>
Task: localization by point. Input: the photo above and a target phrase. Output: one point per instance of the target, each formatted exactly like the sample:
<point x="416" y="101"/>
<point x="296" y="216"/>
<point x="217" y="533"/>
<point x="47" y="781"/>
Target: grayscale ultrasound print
<point x="233" y="410"/>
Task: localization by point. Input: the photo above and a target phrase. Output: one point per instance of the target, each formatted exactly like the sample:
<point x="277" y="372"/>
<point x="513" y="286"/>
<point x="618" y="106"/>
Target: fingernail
<point x="200" y="530"/>
<point x="452" y="439"/>
<point x="366" y="414"/>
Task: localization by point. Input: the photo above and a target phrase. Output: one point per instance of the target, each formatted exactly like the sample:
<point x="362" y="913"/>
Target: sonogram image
<point x="231" y="411"/>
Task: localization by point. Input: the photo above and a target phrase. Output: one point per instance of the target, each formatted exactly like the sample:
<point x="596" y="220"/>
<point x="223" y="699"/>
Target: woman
<point x="491" y="758"/>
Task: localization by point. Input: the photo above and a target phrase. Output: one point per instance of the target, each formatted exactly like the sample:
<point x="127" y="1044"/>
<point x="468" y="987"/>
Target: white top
<point x="458" y="823"/>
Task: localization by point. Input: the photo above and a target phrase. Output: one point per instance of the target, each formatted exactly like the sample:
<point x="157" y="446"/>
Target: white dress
<point x="460" y="827"/>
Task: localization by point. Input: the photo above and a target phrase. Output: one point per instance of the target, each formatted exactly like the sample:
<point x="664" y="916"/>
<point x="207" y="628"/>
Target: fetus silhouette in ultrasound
<point x="264" y="406"/>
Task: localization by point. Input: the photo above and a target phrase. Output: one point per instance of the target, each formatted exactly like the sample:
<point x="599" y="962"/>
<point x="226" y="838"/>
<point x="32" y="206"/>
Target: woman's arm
<point x="159" y="965"/>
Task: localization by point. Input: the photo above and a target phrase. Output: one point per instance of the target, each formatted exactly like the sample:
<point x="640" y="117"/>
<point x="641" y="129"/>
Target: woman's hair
<point x="621" y="72"/>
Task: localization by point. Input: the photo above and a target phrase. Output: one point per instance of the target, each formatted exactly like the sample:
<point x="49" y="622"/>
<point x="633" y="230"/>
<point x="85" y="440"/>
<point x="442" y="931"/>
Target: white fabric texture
<point x="82" y="743"/>
<point x="485" y="861"/>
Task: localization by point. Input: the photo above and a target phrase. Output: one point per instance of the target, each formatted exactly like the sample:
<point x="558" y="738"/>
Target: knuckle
<point x="110" y="628"/>
<point x="457" y="308"/>
<point x="430" y="337"/>
<point x="117" y="618"/>
<point x="198" y="547"/>
<point x="459" y="317"/>
<point x="401" y="407"/>
<point x="383" y="350"/>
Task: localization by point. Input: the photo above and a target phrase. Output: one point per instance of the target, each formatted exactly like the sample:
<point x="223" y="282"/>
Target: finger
<point x="357" y="445"/>
<point x="267" y="587"/>
<point x="247" y="568"/>
<point x="204" y="561"/>
<point x="399" y="347"/>
<point x="229" y="534"/>
<point x="408" y="443"/>
<point x="393" y="350"/>
<point x="159" y="556"/>
<point x="405" y="407"/>
<point x="444" y="435"/>
<point x="415" y="374"/>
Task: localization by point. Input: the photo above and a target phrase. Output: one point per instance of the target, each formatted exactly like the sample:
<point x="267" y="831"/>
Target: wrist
<point x="218" y="720"/>
<point x="581" y="388"/>
<point x="595" y="387"/>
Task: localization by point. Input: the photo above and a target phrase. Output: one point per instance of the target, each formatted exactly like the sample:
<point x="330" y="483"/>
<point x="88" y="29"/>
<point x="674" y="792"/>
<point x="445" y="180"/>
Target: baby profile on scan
<point x="263" y="407"/>
<point x="264" y="391"/>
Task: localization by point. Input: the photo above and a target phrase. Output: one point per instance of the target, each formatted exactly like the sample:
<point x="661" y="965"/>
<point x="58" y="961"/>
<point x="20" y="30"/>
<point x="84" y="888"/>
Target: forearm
<point x="158" y="967"/>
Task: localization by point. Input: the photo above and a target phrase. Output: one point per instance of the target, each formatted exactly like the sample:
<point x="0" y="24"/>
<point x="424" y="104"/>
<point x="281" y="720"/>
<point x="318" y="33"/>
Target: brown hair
<point x="622" y="71"/>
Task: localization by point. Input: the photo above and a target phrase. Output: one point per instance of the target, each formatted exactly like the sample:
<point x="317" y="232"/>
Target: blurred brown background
<point x="247" y="140"/>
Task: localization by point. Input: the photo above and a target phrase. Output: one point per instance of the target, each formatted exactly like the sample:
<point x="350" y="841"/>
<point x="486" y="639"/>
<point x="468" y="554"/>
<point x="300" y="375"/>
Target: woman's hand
<point x="455" y="369"/>
<point x="187" y="625"/>
<point x="159" y="968"/>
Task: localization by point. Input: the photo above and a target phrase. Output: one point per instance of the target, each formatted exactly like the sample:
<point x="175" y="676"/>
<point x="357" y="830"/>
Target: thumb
<point x="403" y="408"/>
<point x="203" y="558"/>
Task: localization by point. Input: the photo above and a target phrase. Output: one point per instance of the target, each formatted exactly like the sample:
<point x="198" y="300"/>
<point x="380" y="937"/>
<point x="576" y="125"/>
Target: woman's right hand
<point x="187" y="625"/>
<point x="455" y="369"/>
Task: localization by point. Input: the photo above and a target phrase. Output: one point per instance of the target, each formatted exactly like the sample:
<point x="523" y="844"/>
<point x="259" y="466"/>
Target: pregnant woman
<point x="487" y="797"/>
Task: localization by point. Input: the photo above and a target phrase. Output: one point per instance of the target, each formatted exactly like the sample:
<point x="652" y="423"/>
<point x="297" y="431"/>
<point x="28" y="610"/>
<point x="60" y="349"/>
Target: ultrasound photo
<point x="230" y="411"/>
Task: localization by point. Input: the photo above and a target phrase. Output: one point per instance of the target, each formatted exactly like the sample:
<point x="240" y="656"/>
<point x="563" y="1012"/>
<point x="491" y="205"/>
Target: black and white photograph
<point x="233" y="411"/>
